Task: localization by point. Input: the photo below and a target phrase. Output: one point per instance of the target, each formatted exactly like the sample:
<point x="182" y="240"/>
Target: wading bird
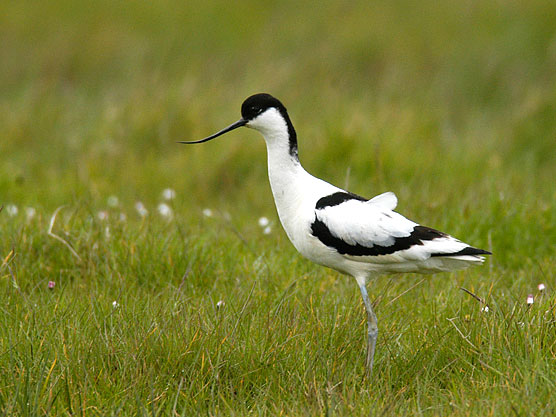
<point x="341" y="230"/>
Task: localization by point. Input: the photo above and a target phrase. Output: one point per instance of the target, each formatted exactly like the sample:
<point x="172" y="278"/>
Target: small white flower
<point x="115" y="304"/>
<point x="102" y="215"/>
<point x="165" y="210"/>
<point x="107" y="232"/>
<point x="30" y="212"/>
<point x="541" y="287"/>
<point x="168" y="194"/>
<point x="530" y="299"/>
<point x="485" y="309"/>
<point x="267" y="230"/>
<point x="141" y="209"/>
<point x="123" y="217"/>
<point x="113" y="201"/>
<point x="12" y="210"/>
<point x="207" y="212"/>
<point x="220" y="304"/>
<point x="263" y="221"/>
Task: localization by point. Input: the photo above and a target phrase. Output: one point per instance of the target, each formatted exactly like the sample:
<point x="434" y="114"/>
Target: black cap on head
<point x="258" y="103"/>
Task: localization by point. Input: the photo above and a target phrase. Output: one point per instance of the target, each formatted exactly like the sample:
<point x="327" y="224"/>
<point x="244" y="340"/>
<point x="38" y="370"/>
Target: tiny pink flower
<point x="530" y="299"/>
<point x="541" y="287"/>
<point x="51" y="284"/>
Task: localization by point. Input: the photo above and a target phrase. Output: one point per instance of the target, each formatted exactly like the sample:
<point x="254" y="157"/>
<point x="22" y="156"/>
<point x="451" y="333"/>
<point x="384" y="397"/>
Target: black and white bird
<point x="341" y="230"/>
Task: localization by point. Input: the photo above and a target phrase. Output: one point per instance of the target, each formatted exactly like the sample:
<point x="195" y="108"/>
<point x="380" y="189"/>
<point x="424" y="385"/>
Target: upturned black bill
<point x="239" y="123"/>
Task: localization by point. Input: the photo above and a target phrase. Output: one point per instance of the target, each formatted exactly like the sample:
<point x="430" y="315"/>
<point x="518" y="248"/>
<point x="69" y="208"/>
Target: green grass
<point x="452" y="106"/>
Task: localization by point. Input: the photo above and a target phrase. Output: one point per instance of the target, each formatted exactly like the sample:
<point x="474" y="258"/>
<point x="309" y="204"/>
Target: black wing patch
<point x="465" y="251"/>
<point x="417" y="236"/>
<point x="336" y="199"/>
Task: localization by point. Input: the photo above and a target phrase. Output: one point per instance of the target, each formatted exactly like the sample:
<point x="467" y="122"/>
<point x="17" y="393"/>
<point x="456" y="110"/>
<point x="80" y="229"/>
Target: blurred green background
<point x="94" y="95"/>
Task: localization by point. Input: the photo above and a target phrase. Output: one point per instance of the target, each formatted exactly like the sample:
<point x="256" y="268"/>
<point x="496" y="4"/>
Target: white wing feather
<point x="387" y="200"/>
<point x="366" y="223"/>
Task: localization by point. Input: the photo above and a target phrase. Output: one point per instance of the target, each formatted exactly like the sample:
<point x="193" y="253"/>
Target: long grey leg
<point x="372" y="329"/>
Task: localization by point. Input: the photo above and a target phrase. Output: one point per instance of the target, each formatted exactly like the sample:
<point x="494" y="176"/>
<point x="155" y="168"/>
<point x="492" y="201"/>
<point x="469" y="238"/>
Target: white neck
<point x="292" y="187"/>
<point x="284" y="168"/>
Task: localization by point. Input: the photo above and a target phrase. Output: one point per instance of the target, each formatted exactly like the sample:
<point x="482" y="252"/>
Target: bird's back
<point x="346" y="232"/>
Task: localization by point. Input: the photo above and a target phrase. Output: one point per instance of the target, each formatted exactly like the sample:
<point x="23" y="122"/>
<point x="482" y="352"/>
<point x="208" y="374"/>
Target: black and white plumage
<point x="341" y="230"/>
<point x="370" y="231"/>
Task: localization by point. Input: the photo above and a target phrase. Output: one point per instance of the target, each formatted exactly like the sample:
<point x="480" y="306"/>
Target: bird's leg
<point x="372" y="333"/>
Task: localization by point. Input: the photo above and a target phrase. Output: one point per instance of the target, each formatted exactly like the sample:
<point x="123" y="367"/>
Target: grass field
<point x="192" y="308"/>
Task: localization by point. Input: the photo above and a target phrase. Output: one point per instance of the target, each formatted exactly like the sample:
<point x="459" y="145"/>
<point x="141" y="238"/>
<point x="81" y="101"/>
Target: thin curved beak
<point x="239" y="123"/>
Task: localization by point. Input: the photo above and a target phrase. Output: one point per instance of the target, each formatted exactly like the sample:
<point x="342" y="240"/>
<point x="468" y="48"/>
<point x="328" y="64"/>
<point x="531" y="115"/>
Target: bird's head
<point x="263" y="113"/>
